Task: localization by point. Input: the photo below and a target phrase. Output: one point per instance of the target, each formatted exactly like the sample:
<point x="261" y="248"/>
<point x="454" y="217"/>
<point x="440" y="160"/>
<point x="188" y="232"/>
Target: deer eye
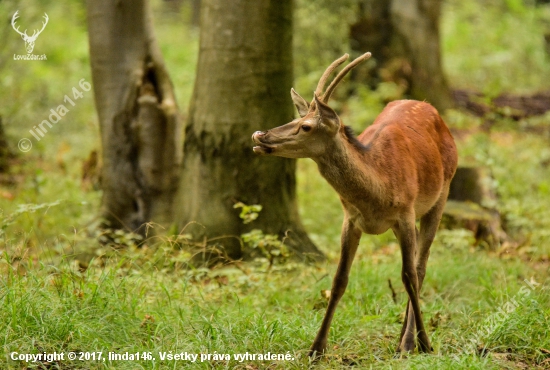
<point x="306" y="128"/>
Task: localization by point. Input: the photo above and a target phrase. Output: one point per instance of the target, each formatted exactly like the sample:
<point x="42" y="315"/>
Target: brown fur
<point x="395" y="172"/>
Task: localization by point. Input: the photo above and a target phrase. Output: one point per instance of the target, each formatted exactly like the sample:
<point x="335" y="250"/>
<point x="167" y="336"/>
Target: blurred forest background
<point x="73" y="280"/>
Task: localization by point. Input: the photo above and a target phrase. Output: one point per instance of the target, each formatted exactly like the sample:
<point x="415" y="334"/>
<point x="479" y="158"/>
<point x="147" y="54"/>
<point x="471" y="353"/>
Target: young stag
<point x="397" y="171"/>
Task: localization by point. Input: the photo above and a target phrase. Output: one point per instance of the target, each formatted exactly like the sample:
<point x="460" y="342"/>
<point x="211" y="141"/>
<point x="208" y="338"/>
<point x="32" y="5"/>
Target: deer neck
<point x="346" y="166"/>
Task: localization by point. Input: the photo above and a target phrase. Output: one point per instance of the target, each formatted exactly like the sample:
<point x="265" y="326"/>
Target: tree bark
<point x="5" y="153"/>
<point x="243" y="83"/>
<point x="139" y="122"/>
<point x="195" y="13"/>
<point x="403" y="37"/>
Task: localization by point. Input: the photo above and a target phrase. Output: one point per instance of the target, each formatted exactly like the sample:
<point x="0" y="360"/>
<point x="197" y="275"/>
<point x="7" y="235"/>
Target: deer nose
<point x="258" y="134"/>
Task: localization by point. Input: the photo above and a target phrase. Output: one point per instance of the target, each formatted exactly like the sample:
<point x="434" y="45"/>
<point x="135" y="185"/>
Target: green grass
<point x="61" y="291"/>
<point x="130" y="302"/>
<point x="49" y="305"/>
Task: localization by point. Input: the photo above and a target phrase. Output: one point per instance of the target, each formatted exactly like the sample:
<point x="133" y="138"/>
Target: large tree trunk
<point x="243" y="82"/>
<point x="403" y="37"/>
<point x="139" y="122"/>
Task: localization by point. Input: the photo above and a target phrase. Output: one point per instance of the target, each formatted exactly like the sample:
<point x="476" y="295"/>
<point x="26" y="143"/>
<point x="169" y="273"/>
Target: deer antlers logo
<point x="29" y="40"/>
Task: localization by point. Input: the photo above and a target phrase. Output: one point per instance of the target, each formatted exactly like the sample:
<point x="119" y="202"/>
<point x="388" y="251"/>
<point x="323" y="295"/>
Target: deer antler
<point x="328" y="71"/>
<point x="326" y="96"/>
<point x="15" y="16"/>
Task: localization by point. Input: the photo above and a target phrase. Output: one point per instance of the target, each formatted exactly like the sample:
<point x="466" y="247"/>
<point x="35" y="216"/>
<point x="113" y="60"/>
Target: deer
<point x="397" y="171"/>
<point x="29" y="40"/>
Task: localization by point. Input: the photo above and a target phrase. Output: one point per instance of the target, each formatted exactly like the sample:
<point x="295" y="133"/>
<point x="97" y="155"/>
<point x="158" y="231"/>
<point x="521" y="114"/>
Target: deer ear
<point x="300" y="103"/>
<point x="329" y="118"/>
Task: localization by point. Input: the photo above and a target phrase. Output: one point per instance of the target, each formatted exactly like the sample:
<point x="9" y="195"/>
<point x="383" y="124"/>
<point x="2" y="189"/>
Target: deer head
<point x="29" y="40"/>
<point x="307" y="136"/>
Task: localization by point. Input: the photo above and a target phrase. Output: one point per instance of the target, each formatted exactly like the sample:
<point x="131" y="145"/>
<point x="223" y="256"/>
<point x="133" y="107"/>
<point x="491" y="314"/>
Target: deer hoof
<point x="425" y="348"/>
<point x="406" y="345"/>
<point x="317" y="350"/>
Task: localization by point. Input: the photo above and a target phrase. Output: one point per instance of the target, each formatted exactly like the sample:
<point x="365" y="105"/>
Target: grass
<point x="129" y="302"/>
<point x="60" y="291"/>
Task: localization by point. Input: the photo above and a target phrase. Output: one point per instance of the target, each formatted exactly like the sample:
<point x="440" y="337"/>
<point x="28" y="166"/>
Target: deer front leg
<point x="350" y="240"/>
<point x="406" y="234"/>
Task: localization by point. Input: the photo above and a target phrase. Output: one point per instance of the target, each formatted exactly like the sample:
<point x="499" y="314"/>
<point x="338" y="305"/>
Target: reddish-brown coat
<point x="395" y="172"/>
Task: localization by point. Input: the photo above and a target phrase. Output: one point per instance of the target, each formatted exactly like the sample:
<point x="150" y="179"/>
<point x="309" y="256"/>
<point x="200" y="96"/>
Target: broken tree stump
<point x="472" y="205"/>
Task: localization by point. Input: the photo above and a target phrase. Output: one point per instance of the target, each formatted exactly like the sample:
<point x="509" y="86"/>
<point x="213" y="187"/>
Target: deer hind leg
<point x="406" y="339"/>
<point x="405" y="231"/>
<point x="429" y="224"/>
<point x="350" y="240"/>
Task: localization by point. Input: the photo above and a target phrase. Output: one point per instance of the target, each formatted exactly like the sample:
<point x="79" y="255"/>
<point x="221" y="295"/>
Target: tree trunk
<point x="139" y="122"/>
<point x="195" y="13"/>
<point x="5" y="153"/>
<point x="403" y="37"/>
<point x="243" y="84"/>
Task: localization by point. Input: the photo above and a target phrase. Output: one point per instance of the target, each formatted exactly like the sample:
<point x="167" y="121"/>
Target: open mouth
<point x="262" y="149"/>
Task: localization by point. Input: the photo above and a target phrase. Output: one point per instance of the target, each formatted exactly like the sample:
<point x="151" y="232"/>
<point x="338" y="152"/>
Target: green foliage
<point x="482" y="39"/>
<point x="268" y="246"/>
<point x="248" y="212"/>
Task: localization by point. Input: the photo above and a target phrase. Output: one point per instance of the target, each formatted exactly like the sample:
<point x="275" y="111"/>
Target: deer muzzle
<point x="261" y="148"/>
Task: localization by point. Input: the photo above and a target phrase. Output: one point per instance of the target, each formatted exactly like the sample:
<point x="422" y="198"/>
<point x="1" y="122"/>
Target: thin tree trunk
<point x="139" y="122"/>
<point x="243" y="83"/>
<point x="404" y="39"/>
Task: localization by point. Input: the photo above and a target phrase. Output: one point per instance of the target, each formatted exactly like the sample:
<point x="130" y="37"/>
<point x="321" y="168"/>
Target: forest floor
<point x="62" y="291"/>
